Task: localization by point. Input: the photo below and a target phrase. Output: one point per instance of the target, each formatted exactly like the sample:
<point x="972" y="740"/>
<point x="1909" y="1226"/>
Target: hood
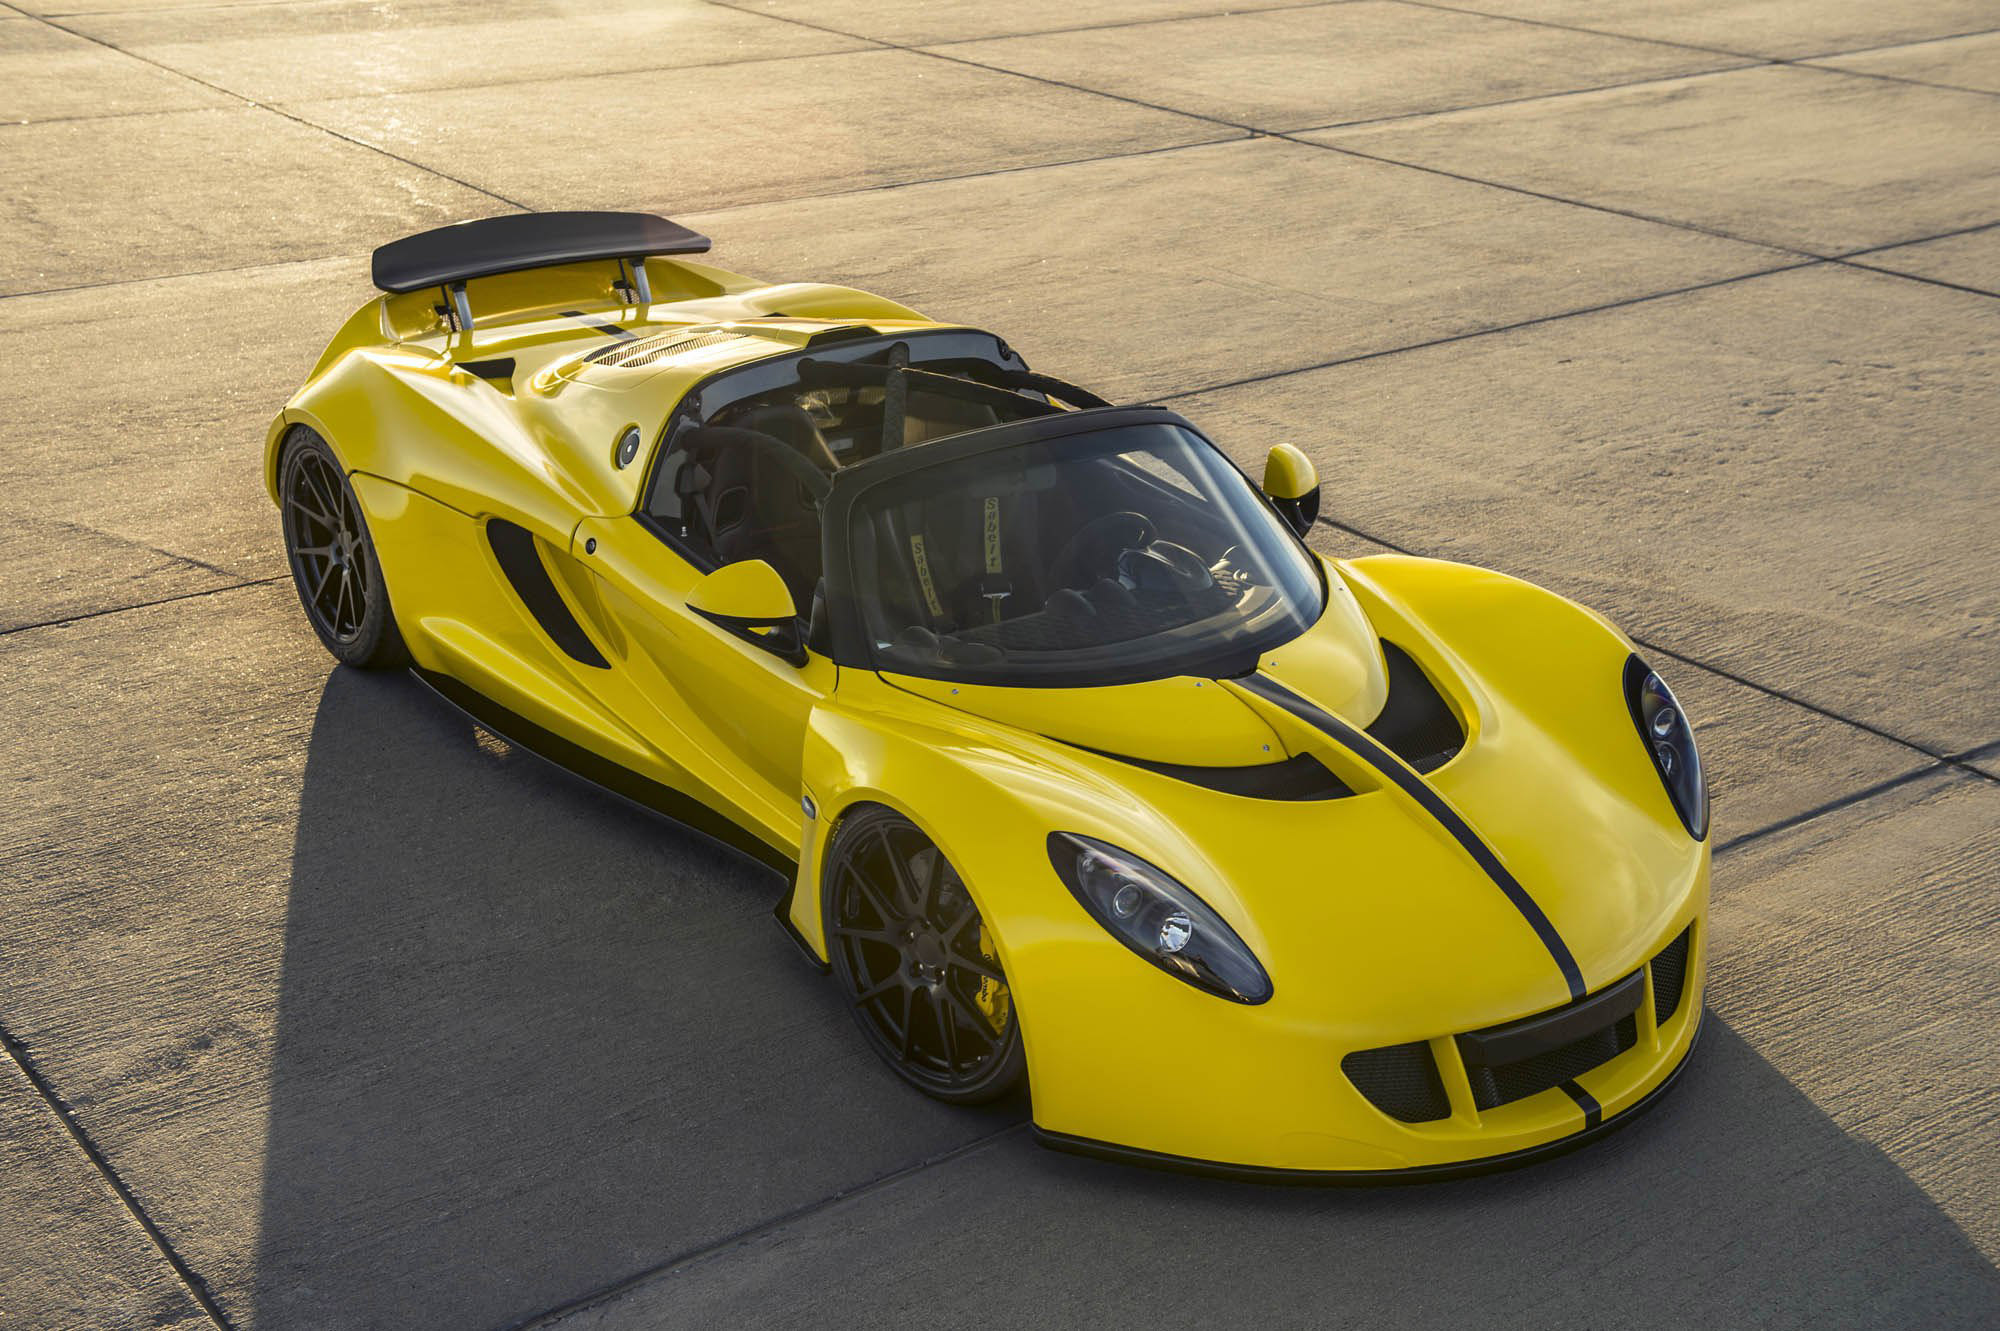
<point x="1184" y="721"/>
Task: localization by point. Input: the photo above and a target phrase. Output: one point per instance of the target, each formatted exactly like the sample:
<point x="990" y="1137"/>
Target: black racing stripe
<point x="1365" y="747"/>
<point x="623" y="334"/>
<point x="1593" y="1112"/>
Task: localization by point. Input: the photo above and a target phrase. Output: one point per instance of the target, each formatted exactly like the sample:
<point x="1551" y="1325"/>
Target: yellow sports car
<point x="1080" y="767"/>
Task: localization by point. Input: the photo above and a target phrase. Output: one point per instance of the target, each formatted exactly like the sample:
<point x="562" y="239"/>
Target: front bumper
<point x="1283" y="1109"/>
<point x="1599" y="1126"/>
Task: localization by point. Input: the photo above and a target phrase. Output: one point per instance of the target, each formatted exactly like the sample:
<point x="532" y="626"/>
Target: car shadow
<point x="532" y="1041"/>
<point x="1734" y="1202"/>
<point x="531" y="1038"/>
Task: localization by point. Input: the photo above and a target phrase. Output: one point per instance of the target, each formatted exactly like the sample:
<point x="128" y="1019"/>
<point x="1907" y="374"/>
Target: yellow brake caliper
<point x="992" y="997"/>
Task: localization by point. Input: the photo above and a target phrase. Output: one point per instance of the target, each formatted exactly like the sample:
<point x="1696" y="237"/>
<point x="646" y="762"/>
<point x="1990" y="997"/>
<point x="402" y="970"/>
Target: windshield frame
<point x="850" y="645"/>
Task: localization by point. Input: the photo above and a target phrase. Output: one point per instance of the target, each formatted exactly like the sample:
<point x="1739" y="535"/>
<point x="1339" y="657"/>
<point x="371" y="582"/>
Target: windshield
<point x="1108" y="556"/>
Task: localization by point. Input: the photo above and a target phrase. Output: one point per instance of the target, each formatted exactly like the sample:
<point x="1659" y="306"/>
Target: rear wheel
<point x="339" y="580"/>
<point x="917" y="962"/>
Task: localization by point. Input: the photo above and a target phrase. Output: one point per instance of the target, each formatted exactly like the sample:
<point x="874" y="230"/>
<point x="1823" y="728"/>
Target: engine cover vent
<point x="640" y="352"/>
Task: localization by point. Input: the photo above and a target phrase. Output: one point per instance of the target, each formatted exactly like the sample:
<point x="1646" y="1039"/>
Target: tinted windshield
<point x="1125" y="553"/>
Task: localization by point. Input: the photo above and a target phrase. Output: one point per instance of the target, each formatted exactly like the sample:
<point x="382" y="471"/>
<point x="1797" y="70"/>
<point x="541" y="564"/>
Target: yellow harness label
<point x="992" y="533"/>
<point x="924" y="577"/>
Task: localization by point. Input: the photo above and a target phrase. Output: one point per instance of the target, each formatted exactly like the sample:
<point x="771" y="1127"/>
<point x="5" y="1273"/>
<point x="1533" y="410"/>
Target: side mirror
<point x="1291" y="483"/>
<point x="750" y="600"/>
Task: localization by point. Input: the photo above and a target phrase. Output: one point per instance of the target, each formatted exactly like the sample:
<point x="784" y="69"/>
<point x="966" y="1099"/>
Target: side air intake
<point x="515" y="548"/>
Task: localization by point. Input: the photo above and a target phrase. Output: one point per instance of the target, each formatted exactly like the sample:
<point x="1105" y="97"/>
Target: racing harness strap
<point x="993" y="585"/>
<point x="924" y="580"/>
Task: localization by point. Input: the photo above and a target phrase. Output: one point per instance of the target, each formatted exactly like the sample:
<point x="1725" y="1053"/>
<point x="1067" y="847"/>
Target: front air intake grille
<point x="1670" y="970"/>
<point x="1508" y="1082"/>
<point x="639" y="352"/>
<point x="1401" y="1080"/>
<point x="1517" y="1059"/>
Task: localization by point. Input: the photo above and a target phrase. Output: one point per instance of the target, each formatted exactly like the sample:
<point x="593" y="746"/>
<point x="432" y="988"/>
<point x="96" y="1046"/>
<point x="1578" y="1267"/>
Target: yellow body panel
<point x="1374" y="925"/>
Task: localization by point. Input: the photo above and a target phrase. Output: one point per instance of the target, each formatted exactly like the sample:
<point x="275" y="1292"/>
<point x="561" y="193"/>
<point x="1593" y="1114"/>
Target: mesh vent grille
<point x="1401" y="1080"/>
<point x="1496" y="1086"/>
<point x="646" y="350"/>
<point x="1670" y="976"/>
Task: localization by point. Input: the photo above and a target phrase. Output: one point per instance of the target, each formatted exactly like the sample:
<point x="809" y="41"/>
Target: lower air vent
<point x="1670" y="969"/>
<point x="515" y="548"/>
<point x="643" y="351"/>
<point x="1401" y="1080"/>
<point x="1496" y="1086"/>
<point x="1416" y="724"/>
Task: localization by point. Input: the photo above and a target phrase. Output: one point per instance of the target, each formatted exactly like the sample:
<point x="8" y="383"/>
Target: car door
<point x="731" y="712"/>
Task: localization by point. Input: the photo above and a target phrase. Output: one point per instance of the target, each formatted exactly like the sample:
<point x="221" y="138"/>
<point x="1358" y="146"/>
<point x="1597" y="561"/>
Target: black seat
<point x="793" y="424"/>
<point x="760" y="501"/>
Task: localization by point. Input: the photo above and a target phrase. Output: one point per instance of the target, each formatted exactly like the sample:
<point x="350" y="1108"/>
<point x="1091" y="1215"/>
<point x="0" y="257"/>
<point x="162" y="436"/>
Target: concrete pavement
<point x="322" y="1008"/>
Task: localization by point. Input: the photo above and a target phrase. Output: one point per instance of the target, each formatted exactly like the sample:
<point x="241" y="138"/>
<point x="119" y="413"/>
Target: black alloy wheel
<point x="917" y="962"/>
<point x="332" y="558"/>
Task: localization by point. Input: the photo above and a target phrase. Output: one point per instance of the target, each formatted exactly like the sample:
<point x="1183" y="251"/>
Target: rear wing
<point x="450" y="256"/>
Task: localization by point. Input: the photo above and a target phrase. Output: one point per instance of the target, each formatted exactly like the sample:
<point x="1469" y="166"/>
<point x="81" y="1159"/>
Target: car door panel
<point x="735" y="713"/>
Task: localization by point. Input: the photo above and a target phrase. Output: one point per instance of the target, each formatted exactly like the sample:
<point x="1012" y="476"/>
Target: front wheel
<point x="917" y="963"/>
<point x="339" y="580"/>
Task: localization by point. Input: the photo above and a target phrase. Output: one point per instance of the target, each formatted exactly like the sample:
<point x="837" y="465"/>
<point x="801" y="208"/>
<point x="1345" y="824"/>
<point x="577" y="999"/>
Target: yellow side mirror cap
<point x="1291" y="482"/>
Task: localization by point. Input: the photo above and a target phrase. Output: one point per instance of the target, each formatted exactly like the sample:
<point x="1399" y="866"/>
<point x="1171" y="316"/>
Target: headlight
<point x="1664" y="729"/>
<point x="1158" y="918"/>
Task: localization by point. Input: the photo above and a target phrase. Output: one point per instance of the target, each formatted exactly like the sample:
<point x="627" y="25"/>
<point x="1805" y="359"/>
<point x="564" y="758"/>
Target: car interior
<point x="1033" y="558"/>
<point x="745" y="483"/>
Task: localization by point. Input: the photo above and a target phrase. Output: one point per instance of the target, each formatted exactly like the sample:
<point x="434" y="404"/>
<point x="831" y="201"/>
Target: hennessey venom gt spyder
<point x="1080" y="765"/>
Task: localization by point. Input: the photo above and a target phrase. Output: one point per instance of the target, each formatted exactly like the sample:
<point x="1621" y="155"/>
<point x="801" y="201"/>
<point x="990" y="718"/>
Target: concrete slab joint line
<point x="197" y="1288"/>
<point x="1292" y="136"/>
<point x="1000" y="69"/>
<point x="142" y="605"/>
<point x="680" y="1262"/>
<point x="1958" y="761"/>
<point x="1804" y="61"/>
<point x="253" y="104"/>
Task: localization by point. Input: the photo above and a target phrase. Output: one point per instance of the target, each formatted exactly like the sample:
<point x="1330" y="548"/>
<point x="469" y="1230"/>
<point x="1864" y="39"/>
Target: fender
<point x="1545" y="655"/>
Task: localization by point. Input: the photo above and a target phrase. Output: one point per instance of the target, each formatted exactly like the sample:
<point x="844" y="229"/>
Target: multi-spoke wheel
<point x="333" y="560"/>
<point x="917" y="961"/>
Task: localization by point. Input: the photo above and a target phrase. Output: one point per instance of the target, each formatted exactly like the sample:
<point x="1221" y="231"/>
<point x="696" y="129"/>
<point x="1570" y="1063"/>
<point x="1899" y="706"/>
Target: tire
<point x="916" y="962"/>
<point x="332" y="557"/>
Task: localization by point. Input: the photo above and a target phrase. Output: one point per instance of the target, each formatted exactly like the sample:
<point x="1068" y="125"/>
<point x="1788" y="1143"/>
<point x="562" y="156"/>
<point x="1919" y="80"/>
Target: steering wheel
<point x="1165" y="568"/>
<point x="1096" y="541"/>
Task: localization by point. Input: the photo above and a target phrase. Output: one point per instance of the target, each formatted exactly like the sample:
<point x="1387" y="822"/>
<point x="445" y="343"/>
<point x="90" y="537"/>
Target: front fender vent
<point x="1416" y="723"/>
